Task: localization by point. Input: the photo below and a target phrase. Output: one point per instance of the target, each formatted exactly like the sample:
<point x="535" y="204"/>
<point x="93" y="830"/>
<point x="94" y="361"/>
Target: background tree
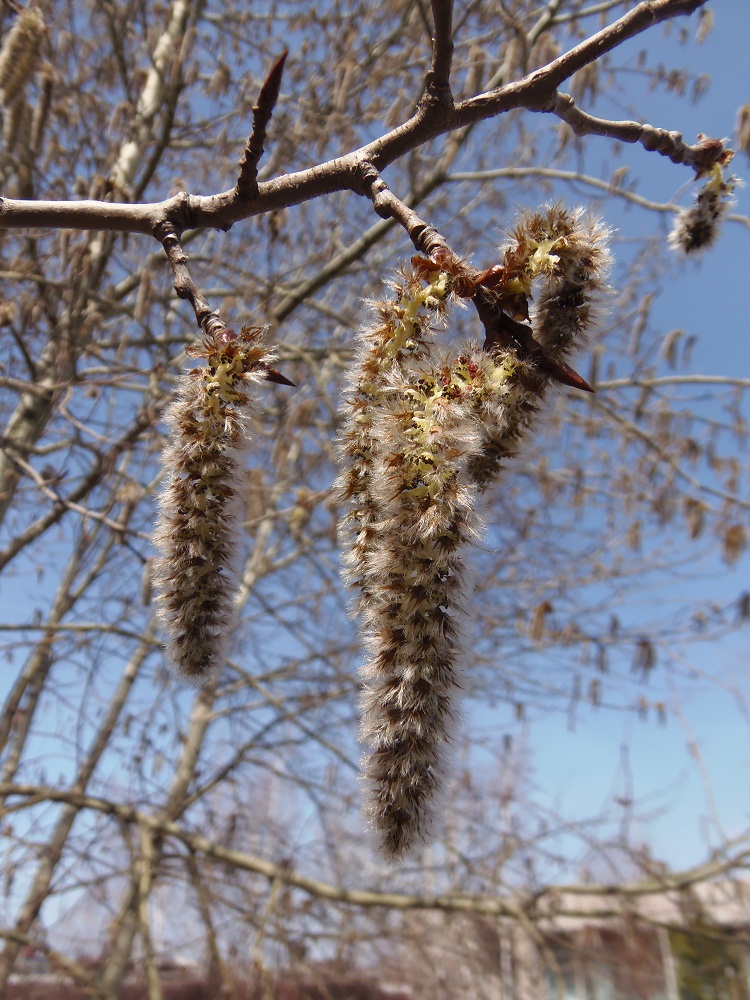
<point x="226" y="820"/>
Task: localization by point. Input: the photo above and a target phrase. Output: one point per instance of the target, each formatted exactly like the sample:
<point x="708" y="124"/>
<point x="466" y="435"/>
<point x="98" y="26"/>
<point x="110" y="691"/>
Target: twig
<point x="535" y="92"/>
<point x="247" y="181"/>
<point x="437" y="83"/>
<point x="700" y="156"/>
<point x="642" y="17"/>
<point x="425" y="237"/>
<point x="209" y="322"/>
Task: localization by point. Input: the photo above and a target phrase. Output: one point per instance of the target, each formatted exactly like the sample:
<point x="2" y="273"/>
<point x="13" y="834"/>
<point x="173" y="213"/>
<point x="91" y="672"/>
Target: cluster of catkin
<point x="426" y="427"/>
<point x="202" y="498"/>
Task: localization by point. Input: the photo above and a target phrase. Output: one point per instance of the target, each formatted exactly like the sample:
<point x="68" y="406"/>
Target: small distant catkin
<point x="19" y="54"/>
<point x="697" y="227"/>
<point x="426" y="426"/>
<point x="202" y="498"/>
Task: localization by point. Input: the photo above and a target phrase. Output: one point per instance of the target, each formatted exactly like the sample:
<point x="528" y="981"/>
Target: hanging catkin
<point x="426" y="426"/>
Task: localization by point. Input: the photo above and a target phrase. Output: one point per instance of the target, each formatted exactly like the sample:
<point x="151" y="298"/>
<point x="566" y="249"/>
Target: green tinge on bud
<point x="19" y="54"/>
<point x="202" y="498"/>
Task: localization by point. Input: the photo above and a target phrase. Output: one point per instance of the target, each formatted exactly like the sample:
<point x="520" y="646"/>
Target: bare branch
<point x="539" y="87"/>
<point x="536" y="92"/>
<point x="425" y="238"/>
<point x="736" y="858"/>
<point x="640" y="19"/>
<point x="208" y="321"/>
<point x="437" y="83"/>
<point x="701" y="156"/>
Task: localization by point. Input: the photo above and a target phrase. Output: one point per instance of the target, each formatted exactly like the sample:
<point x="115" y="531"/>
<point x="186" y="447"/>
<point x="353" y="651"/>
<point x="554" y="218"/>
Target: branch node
<point x="437" y="90"/>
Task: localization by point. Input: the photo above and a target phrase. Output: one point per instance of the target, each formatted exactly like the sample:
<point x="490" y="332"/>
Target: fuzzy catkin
<point x="564" y="255"/>
<point x="411" y="639"/>
<point x="697" y="227"/>
<point x="401" y="332"/>
<point x="414" y="424"/>
<point x="426" y="429"/>
<point x="200" y="502"/>
<point x="19" y="54"/>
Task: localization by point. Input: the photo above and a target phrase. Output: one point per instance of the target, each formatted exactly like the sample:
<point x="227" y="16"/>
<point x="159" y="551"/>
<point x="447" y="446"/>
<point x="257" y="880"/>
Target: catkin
<point x="19" y="54"/>
<point x="697" y="227"/>
<point x="428" y="430"/>
<point x="426" y="427"/>
<point x="564" y="254"/>
<point x="202" y="499"/>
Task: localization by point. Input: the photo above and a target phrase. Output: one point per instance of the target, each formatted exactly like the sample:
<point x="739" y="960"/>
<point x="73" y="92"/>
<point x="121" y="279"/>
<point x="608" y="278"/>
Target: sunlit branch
<point x="425" y="237"/>
<point x="536" y="92"/>
<point x="208" y="321"/>
<point x="658" y="380"/>
<point x="701" y="155"/>
<point x="438" y="85"/>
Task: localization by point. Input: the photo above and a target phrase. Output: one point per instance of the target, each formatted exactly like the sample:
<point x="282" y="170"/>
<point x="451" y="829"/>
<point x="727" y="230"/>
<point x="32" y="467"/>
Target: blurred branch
<point x="547" y="902"/>
<point x="66" y="966"/>
<point x="670" y="460"/>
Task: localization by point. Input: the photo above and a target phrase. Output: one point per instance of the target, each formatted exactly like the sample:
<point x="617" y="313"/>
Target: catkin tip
<point x="19" y="54"/>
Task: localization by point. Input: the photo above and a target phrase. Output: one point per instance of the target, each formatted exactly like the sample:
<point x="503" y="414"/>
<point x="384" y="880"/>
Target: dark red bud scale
<point x="224" y="337"/>
<point x="272" y="375"/>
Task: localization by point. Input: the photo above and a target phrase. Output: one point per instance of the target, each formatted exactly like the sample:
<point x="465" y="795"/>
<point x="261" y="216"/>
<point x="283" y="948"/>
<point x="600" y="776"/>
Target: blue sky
<point x="583" y="771"/>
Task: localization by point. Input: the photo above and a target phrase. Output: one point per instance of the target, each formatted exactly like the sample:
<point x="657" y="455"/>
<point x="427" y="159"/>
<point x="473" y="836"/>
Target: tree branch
<point x="532" y="905"/>
<point x="536" y="92"/>
<point x="425" y="237"/>
<point x="208" y="321"/>
<point x="701" y="156"/>
<point x="438" y="83"/>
